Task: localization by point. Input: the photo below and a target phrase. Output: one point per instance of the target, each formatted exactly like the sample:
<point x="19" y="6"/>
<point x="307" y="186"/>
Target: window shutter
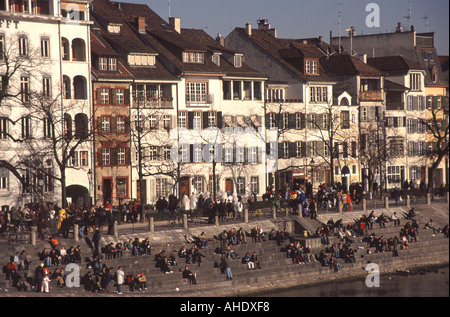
<point x="219" y="120"/>
<point x="99" y="157"/>
<point x="126" y="96"/>
<point x="113" y="96"/>
<point x="303" y="149"/>
<point x="205" y="120"/>
<point x="293" y="149"/>
<point x="190" y="120"/>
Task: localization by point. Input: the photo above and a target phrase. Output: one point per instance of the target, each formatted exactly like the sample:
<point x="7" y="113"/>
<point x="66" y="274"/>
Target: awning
<point x="70" y="6"/>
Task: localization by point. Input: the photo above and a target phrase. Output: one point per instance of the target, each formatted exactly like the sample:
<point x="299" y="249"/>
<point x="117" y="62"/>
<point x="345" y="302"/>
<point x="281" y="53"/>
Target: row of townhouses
<point x="107" y="101"/>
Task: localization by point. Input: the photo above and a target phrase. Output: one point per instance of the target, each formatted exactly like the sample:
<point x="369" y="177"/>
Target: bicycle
<point x="258" y="213"/>
<point x="174" y="220"/>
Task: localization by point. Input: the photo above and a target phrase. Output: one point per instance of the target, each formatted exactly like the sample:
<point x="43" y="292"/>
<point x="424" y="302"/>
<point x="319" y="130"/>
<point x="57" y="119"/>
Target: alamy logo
<point x="373" y="278"/>
<point x="72" y="275"/>
<point x="373" y="18"/>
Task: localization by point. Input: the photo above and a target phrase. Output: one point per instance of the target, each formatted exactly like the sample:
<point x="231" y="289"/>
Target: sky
<point x="303" y="19"/>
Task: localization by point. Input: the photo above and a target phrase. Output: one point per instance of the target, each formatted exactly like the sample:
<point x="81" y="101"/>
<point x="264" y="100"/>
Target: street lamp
<point x="312" y="175"/>
<point x="89" y="176"/>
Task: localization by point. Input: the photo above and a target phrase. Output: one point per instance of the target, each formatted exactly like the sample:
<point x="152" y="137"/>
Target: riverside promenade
<point x="277" y="271"/>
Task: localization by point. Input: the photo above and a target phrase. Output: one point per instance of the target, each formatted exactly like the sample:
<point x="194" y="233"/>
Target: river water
<point x="426" y="283"/>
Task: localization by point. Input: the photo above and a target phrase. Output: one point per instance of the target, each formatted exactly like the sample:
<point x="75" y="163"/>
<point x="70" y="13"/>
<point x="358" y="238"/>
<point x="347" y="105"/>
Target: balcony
<point x="392" y="106"/>
<point x="154" y="103"/>
<point x="371" y="95"/>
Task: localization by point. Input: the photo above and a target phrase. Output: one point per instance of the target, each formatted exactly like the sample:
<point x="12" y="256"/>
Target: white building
<point x="45" y="101"/>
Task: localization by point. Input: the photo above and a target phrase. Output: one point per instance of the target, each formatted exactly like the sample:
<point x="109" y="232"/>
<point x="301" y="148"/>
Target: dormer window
<point x="238" y="60"/>
<point x="114" y="28"/>
<point x="107" y="64"/>
<point x="311" y="67"/>
<point x="216" y="59"/>
<point x="141" y="59"/>
<point x="193" y="57"/>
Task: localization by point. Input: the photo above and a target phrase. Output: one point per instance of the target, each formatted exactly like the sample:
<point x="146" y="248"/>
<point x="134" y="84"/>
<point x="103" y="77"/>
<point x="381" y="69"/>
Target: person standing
<point x="120" y="278"/>
<point x="226" y="267"/>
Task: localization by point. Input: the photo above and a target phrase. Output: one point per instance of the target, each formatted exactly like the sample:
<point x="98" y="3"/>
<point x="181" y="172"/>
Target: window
<point x="120" y="124"/>
<point x="318" y="94"/>
<point x="102" y="63"/>
<point x="415" y="81"/>
<point x="216" y="59"/>
<point x="104" y="95"/>
<point x="23" y="45"/>
<point x="308" y="66"/>
<point x="396" y="147"/>
<point x="48" y="131"/>
<point x="2" y="46"/>
<point x="153" y="121"/>
<point x="3" y="128"/>
<point x="197" y="153"/>
<point x="106" y="124"/>
<point x="212" y="122"/>
<point x="314" y="67"/>
<point x="167" y="122"/>
<point x="166" y="152"/>
<point x="141" y="60"/>
<point x="121" y="156"/>
<point x="4" y="179"/>
<point x="47" y="86"/>
<point x="182" y="120"/>
<point x="394" y="174"/>
<point x="247" y="90"/>
<point x="196" y="92"/>
<point x="197" y="123"/>
<point x="45" y="47"/>
<point x="112" y="64"/>
<point x="197" y="181"/>
<point x="253" y="155"/>
<point x="122" y="187"/>
<point x="163" y="187"/>
<point x="120" y="96"/>
<point x="193" y="57"/>
<point x="25" y="88"/>
<point x="345" y="120"/>
<point x="254" y="184"/>
<point x="106" y="156"/>
<point x="237" y="60"/>
<point x="26" y="127"/>
<point x="240" y="186"/>
<point x="257" y="93"/>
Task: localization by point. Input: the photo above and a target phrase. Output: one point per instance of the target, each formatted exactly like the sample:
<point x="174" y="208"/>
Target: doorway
<point x="184" y="186"/>
<point x="107" y="190"/>
<point x="229" y="185"/>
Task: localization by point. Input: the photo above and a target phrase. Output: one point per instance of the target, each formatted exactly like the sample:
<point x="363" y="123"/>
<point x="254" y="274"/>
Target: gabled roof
<point x="345" y="64"/>
<point x="104" y="43"/>
<point x="170" y="44"/>
<point x="291" y="52"/>
<point x="394" y="64"/>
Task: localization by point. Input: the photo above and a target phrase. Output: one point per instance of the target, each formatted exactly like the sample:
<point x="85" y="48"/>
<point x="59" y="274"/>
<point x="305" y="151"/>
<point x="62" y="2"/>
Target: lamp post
<point x="312" y="176"/>
<point x="89" y="175"/>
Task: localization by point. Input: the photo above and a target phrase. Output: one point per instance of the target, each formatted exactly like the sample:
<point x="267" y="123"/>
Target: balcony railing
<point x="154" y="103"/>
<point x="371" y="95"/>
<point x="395" y="106"/>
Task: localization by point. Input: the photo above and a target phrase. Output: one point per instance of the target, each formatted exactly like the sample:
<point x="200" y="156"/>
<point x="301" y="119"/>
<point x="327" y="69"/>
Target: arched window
<point x="344" y="102"/>
<point x="79" y="87"/>
<point x="66" y="87"/>
<point x="67" y="126"/>
<point x="78" y="50"/>
<point x="65" y="49"/>
<point x="81" y="125"/>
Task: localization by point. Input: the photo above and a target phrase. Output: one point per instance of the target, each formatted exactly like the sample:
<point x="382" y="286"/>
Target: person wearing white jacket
<point x="120" y="279"/>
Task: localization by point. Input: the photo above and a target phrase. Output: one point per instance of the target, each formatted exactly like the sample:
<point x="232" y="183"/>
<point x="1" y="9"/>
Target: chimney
<point x="220" y="39"/>
<point x="272" y="32"/>
<point x="248" y="27"/>
<point x="399" y="28"/>
<point x="141" y="24"/>
<point x="364" y="58"/>
<point x="175" y="23"/>
<point x="263" y="24"/>
<point x="320" y="39"/>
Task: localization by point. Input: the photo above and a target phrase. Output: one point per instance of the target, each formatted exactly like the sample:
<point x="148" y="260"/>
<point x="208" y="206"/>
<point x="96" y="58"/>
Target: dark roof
<point x="393" y="64"/>
<point x="345" y="64"/>
<point x="390" y="85"/>
<point x="104" y="43"/>
<point x="291" y="52"/>
<point x="170" y="44"/>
